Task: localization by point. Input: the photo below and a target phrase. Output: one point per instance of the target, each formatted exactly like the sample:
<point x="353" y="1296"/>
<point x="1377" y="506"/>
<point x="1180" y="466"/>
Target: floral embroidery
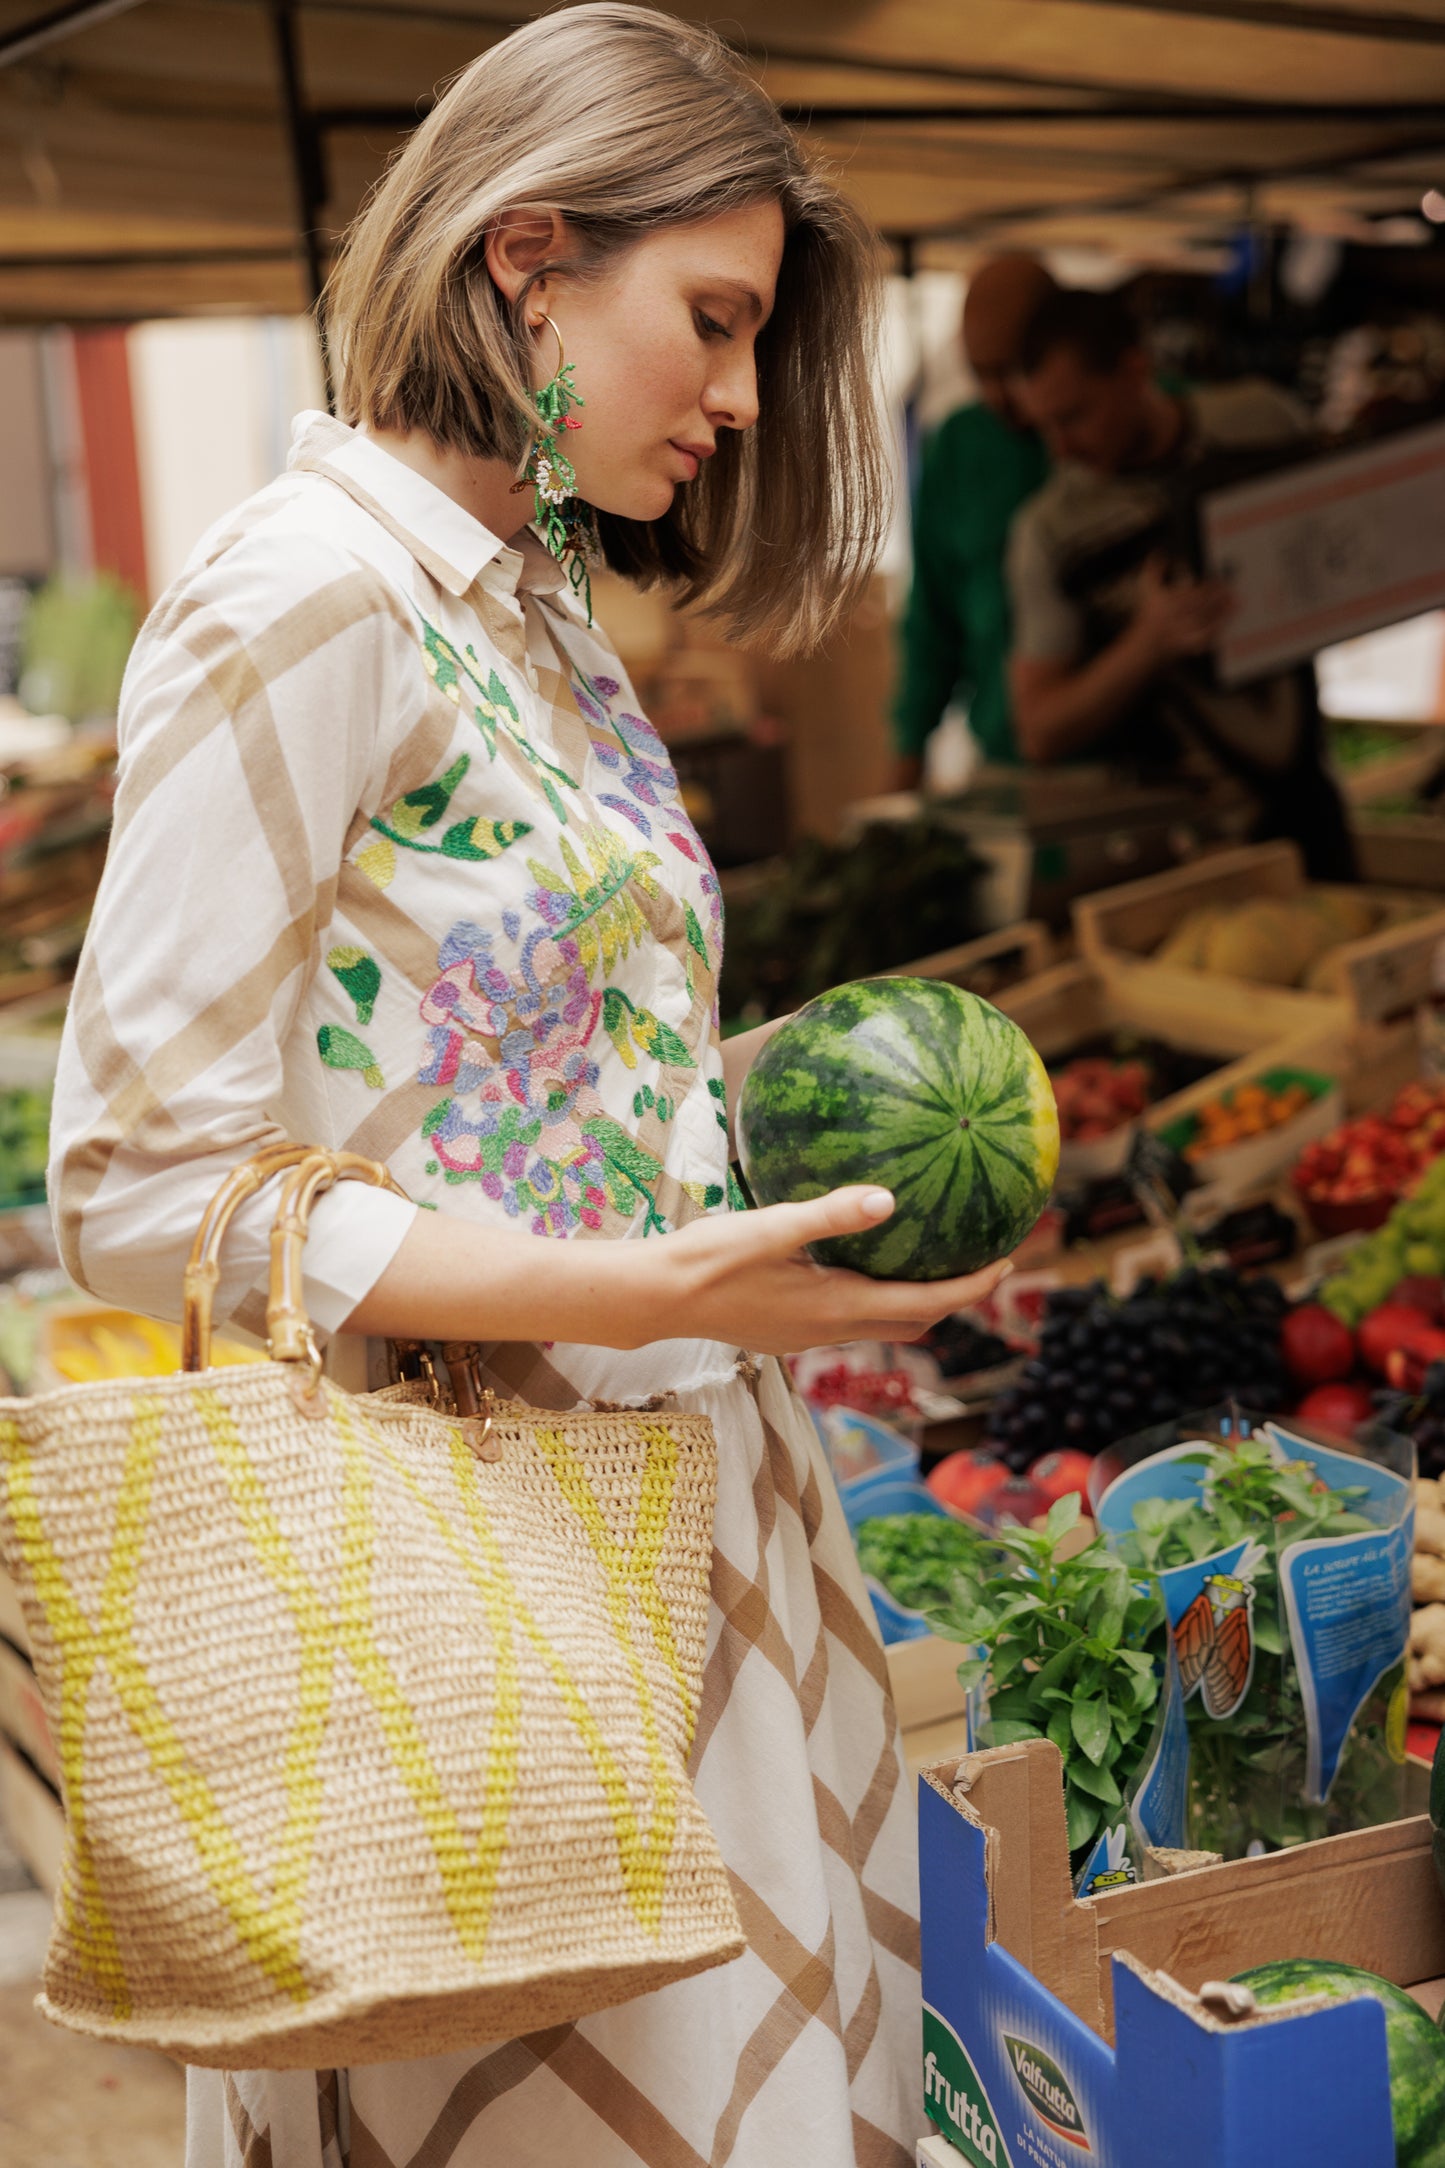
<point x="412" y="818"/>
<point x="624" y="1022"/>
<point x="360" y="974"/>
<point x="493" y="710"/>
<point x="719" y="1091"/>
<point x="525" y="1120"/>
<point x="523" y="1016"/>
<point x="599" y="913"/>
<point x="341" y="1049"/>
<point x="646" y="1101"/>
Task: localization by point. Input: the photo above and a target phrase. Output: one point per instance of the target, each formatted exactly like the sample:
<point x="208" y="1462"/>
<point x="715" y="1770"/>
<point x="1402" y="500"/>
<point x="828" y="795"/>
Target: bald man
<point x="980" y="466"/>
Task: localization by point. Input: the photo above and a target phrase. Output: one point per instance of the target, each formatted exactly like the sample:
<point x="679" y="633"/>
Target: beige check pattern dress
<point x="399" y="868"/>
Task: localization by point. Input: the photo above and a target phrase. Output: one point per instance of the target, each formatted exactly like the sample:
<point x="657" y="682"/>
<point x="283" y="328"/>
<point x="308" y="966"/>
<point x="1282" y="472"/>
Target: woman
<point x="398" y="867"/>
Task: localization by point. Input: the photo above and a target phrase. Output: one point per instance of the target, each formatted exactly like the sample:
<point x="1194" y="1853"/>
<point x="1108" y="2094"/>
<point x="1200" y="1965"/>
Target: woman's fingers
<point x="780" y="1229"/>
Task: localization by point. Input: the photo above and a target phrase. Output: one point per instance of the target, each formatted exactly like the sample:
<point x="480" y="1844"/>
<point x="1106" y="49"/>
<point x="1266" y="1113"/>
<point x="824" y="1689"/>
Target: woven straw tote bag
<point x="373" y="1716"/>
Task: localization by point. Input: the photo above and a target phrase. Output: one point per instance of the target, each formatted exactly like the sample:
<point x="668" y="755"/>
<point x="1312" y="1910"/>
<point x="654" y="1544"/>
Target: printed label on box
<point x="955" y="2097"/>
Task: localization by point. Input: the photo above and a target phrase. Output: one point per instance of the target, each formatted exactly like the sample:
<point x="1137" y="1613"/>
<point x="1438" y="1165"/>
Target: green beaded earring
<point x="566" y="524"/>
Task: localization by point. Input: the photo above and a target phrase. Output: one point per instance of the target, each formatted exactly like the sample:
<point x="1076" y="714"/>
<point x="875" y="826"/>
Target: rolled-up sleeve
<point x="260" y="702"/>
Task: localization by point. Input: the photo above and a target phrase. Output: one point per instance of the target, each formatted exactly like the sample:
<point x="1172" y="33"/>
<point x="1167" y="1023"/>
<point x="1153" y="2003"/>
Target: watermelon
<point x="919" y="1087"/>
<point x="1437" y="1817"/>
<point x="1415" y="2048"/>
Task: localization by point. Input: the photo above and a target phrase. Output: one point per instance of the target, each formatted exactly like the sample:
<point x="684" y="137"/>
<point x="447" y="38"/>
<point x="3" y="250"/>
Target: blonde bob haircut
<point x="624" y="120"/>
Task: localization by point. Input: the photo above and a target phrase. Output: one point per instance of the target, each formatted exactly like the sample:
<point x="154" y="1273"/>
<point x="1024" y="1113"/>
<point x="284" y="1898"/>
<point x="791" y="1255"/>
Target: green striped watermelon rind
<point x="1415" y="2047"/>
<point x="873" y="1083"/>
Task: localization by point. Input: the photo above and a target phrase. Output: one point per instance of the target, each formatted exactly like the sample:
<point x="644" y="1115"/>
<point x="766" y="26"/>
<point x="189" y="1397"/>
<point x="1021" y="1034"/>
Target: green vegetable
<point x="831" y="912"/>
<point x="919" y="1085"/>
<point x="1069" y="1646"/>
<point x="920" y="1556"/>
<point x="1415" y="2049"/>
<point x="1247" y="1771"/>
<point x="24" y="1141"/>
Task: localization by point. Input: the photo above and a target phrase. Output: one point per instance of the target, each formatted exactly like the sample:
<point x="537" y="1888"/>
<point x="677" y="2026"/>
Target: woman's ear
<point x="520" y="240"/>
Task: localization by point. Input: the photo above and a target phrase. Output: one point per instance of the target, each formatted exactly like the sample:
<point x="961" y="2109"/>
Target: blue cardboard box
<point x="1060" y="2032"/>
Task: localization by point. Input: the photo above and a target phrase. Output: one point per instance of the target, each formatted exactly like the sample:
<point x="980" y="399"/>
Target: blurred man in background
<point x="980" y="466"/>
<point x="1112" y="632"/>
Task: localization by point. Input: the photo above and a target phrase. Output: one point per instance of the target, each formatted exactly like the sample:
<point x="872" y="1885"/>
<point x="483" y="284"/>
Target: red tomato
<point x="1336" y="1407"/>
<point x="1056" y="1474"/>
<point x="1393" y="1328"/>
<point x="966" y="1481"/>
<point x="1317" y="1346"/>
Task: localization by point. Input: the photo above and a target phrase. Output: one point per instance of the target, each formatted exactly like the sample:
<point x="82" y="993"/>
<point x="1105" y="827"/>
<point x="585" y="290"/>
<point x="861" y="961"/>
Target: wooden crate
<point x="1406" y="847"/>
<point x="1385" y="974"/>
<point x="30" y="1808"/>
<point x="992" y="962"/>
<point x="1080" y="1001"/>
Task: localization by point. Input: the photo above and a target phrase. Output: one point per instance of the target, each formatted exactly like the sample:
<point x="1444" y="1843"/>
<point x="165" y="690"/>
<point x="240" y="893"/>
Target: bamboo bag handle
<point x="288" y="1329"/>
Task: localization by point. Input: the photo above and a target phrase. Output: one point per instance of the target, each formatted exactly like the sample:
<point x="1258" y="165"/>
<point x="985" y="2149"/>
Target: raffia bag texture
<point x="373" y="1719"/>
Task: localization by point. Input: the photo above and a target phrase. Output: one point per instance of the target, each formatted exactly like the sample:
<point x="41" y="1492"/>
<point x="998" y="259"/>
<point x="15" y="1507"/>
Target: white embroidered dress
<point x="398" y="868"/>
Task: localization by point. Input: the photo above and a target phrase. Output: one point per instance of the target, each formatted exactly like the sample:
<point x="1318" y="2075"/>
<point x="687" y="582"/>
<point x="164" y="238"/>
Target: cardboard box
<point x="1060" y="2032"/>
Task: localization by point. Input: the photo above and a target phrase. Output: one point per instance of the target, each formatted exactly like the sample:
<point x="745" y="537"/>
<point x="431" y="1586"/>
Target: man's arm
<point x="1063" y="707"/>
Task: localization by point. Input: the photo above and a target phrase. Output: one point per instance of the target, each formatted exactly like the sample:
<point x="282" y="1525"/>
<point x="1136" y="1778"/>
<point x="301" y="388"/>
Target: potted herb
<point x="1070" y="1653"/>
<point x="1252" y="1780"/>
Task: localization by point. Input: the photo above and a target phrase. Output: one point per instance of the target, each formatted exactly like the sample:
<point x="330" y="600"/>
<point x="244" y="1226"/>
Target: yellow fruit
<point x="1185" y="946"/>
<point x="1269" y="943"/>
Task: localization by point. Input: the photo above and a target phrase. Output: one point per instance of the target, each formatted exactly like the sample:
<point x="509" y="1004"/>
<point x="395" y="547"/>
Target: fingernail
<point x="1004" y="1270"/>
<point x="878" y="1203"/>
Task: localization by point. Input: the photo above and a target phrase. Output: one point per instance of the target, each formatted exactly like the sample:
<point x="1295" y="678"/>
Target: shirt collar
<point x="444" y="539"/>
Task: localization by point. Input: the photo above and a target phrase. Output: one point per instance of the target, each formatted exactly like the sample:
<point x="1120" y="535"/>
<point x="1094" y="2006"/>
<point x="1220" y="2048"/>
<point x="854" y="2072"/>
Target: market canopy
<point x="165" y="156"/>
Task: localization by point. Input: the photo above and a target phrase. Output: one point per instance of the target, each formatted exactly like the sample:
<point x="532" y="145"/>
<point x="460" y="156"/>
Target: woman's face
<point x="663" y="348"/>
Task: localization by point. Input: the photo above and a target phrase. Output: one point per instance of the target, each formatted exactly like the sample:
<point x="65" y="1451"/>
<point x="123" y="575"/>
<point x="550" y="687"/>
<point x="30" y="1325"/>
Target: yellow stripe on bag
<point x="78" y="1650"/>
<point x="655" y="1497"/>
<point x="262" y="1934"/>
<point x="316" y="1632"/>
<point x="640" y="1878"/>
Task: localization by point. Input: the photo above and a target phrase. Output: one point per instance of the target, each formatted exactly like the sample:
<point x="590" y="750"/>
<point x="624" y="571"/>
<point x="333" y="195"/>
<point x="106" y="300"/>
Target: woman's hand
<point x="747" y="1278"/>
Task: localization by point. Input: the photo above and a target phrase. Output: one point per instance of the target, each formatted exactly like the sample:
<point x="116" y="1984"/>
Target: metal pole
<point x="56" y="23"/>
<point x="307" y="171"/>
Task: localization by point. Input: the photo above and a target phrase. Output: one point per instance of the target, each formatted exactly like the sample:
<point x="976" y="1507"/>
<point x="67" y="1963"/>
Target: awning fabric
<point x="165" y="156"/>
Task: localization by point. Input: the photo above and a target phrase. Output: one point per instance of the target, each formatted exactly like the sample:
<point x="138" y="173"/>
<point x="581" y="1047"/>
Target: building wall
<point x="214" y="398"/>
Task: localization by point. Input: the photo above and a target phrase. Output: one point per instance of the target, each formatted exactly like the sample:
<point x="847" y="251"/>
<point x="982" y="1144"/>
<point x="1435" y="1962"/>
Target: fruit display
<point x="871" y="1392"/>
<point x="1250" y="1110"/>
<point x="1318" y="1347"/>
<point x="1415" y="2047"/>
<point x="1096" y="1096"/>
<point x="1366" y="1164"/>
<point x="1106" y="1367"/>
<point x="960" y="1348"/>
<point x="1410" y="1243"/>
<point x="1276" y="943"/>
<point x="24" y="1141"/>
<point x="917" y="1085"/>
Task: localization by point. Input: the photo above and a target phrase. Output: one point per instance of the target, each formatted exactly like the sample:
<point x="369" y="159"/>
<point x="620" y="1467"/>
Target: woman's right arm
<point x="258" y="711"/>
<point x="740" y="1277"/>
